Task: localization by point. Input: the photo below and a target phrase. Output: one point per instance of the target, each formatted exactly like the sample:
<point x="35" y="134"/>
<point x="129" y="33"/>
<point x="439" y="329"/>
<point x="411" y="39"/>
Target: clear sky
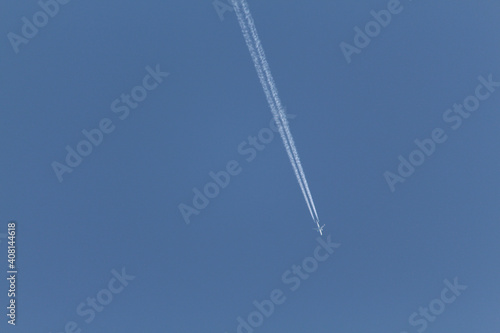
<point x="117" y="212"/>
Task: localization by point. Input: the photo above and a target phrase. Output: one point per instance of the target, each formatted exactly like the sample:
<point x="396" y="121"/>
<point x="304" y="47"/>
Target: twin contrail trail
<point x="266" y="79"/>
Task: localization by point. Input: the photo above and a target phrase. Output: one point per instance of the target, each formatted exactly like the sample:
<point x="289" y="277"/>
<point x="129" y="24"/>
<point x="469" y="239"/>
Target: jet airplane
<point x="320" y="229"/>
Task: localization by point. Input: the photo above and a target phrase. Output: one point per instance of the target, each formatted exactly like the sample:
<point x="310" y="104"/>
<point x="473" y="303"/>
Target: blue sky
<point x="117" y="211"/>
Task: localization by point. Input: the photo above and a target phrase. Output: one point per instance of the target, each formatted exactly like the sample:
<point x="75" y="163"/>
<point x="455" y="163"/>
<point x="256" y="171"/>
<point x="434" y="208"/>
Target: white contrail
<point x="270" y="101"/>
<point x="274" y="91"/>
<point x="277" y="100"/>
<point x="274" y="103"/>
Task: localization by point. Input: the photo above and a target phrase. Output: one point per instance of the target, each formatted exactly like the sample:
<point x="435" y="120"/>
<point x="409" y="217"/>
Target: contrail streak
<point x="271" y="102"/>
<point x="271" y="92"/>
<point x="274" y="91"/>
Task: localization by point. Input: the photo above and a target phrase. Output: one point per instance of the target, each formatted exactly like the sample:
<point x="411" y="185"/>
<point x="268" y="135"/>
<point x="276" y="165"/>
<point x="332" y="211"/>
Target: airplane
<point x="319" y="229"/>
